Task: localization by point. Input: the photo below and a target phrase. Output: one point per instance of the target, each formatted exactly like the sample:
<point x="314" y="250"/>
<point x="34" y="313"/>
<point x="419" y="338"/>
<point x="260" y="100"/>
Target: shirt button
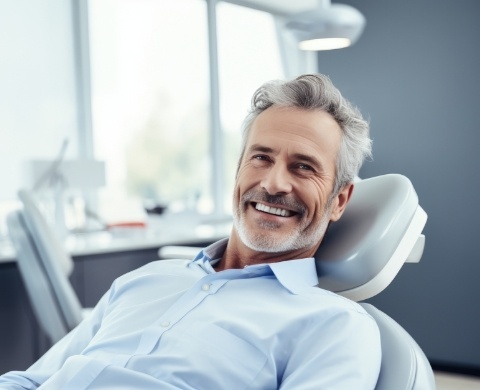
<point x="165" y="324"/>
<point x="206" y="287"/>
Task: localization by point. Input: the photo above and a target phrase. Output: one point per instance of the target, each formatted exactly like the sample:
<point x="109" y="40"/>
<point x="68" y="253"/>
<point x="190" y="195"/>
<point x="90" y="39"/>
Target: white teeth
<point x="273" y="210"/>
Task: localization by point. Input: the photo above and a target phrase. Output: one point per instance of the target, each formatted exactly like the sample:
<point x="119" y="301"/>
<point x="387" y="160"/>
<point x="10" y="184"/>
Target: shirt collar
<point x="210" y="255"/>
<point x="295" y="275"/>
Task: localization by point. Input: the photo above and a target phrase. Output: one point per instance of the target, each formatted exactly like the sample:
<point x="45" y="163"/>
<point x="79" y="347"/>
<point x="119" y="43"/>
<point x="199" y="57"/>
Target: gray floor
<point x="456" y="382"/>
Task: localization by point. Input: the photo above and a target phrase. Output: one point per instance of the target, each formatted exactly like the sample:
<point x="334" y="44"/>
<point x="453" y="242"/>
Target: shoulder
<point x="153" y="273"/>
<point x="173" y="265"/>
<point x="157" y="266"/>
<point x="336" y="305"/>
<point x="336" y="346"/>
<point x="341" y="322"/>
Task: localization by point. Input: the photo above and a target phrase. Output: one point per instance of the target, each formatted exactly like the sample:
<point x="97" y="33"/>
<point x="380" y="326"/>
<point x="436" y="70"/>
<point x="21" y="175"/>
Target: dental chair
<point x="359" y="257"/>
<point x="45" y="267"/>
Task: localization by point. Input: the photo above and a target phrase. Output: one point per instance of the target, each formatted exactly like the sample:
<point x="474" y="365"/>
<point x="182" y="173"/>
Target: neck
<point x="238" y="255"/>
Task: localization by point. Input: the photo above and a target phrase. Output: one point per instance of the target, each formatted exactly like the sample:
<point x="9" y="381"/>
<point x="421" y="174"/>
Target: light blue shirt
<point x="176" y="324"/>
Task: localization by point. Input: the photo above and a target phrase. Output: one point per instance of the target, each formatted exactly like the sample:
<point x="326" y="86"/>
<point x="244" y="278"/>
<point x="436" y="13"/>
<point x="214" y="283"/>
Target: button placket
<point x="185" y="304"/>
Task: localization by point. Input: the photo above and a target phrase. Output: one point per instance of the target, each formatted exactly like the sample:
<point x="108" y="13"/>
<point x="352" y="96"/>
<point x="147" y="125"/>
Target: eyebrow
<point x="260" y="148"/>
<point x="316" y="163"/>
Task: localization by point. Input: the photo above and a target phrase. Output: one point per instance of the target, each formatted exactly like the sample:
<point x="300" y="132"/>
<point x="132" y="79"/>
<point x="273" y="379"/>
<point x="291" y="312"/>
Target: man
<point x="245" y="313"/>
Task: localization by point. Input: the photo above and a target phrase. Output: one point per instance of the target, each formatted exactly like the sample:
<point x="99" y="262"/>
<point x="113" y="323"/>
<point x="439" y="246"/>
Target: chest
<point x="203" y="331"/>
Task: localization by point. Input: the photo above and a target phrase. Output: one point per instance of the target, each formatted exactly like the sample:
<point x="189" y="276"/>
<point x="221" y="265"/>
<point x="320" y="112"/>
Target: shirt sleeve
<point x="344" y="353"/>
<point x="73" y="343"/>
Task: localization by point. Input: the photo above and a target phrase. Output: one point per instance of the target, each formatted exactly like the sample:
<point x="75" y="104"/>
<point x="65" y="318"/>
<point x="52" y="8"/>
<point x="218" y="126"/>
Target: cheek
<point x="241" y="185"/>
<point x="245" y="178"/>
<point x="316" y="196"/>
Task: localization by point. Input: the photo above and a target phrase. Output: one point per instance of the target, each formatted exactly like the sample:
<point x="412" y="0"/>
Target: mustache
<point x="276" y="200"/>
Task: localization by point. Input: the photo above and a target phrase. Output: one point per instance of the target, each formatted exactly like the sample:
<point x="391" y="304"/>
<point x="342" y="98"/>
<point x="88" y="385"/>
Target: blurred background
<point x="140" y="89"/>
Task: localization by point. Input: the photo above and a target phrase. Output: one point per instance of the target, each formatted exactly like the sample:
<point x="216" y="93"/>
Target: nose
<point x="277" y="180"/>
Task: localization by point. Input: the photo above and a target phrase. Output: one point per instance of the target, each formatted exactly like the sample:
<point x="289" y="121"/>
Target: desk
<point x="99" y="258"/>
<point x="161" y="231"/>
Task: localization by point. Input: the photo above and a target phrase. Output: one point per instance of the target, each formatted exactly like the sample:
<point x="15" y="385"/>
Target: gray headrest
<point x="363" y="251"/>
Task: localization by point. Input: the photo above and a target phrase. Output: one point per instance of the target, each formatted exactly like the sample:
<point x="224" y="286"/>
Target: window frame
<point x="294" y="62"/>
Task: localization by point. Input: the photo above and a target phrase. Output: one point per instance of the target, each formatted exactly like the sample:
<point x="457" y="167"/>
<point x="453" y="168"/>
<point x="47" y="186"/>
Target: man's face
<point x="282" y="198"/>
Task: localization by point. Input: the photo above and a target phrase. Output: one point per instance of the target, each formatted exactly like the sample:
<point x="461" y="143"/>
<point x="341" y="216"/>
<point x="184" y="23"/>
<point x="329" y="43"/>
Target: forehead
<point x="294" y="130"/>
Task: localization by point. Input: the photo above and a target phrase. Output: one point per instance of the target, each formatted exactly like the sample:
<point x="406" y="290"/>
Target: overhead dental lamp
<point x="327" y="27"/>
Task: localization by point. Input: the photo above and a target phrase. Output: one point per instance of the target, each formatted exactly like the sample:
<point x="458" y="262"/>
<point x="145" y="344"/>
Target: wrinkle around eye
<point x="304" y="170"/>
<point x="260" y="160"/>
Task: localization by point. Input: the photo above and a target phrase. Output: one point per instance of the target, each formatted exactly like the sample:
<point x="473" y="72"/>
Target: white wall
<point x="37" y="85"/>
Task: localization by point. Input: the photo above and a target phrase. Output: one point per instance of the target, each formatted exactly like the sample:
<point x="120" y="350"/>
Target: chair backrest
<point x="54" y="259"/>
<point x="38" y="287"/>
<point x="38" y="225"/>
<point x="379" y="231"/>
<point x="404" y="365"/>
<point x="362" y="253"/>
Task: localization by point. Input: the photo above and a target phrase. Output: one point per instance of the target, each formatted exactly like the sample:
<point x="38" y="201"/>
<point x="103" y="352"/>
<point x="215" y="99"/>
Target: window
<point x="37" y="93"/>
<point x="248" y="56"/>
<point x="150" y="96"/>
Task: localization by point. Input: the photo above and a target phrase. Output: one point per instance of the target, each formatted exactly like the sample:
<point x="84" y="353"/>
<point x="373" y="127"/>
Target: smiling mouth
<point x="273" y="210"/>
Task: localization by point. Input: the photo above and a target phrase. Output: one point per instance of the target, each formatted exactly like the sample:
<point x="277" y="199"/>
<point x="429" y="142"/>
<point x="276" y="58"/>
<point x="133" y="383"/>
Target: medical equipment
<point x="45" y="267"/>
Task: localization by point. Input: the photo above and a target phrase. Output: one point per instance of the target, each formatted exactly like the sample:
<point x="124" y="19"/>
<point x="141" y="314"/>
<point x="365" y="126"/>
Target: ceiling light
<point x="330" y="26"/>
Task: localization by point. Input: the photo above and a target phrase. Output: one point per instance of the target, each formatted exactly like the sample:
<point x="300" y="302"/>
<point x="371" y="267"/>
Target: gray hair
<point x="316" y="92"/>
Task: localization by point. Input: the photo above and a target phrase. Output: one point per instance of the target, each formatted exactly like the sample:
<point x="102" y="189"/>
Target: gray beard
<point x="267" y="241"/>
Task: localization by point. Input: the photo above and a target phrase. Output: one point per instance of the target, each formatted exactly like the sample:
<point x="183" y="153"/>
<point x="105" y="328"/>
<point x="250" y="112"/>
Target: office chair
<point x="359" y="257"/>
<point x="45" y="267"/>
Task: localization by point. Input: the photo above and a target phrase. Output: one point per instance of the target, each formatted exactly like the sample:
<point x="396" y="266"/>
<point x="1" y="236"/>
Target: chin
<point x="275" y="242"/>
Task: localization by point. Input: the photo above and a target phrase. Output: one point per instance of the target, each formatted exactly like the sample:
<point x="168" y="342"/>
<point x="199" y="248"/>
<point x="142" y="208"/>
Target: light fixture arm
<point x="324" y="3"/>
<point x="329" y="26"/>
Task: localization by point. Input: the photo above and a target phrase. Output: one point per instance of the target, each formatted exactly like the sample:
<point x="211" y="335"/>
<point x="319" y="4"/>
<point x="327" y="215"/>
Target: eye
<point x="304" y="167"/>
<point x="260" y="160"/>
<point x="260" y="157"/>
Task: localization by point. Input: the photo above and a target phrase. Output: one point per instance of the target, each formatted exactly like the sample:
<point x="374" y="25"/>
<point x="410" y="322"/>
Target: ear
<point x="340" y="202"/>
